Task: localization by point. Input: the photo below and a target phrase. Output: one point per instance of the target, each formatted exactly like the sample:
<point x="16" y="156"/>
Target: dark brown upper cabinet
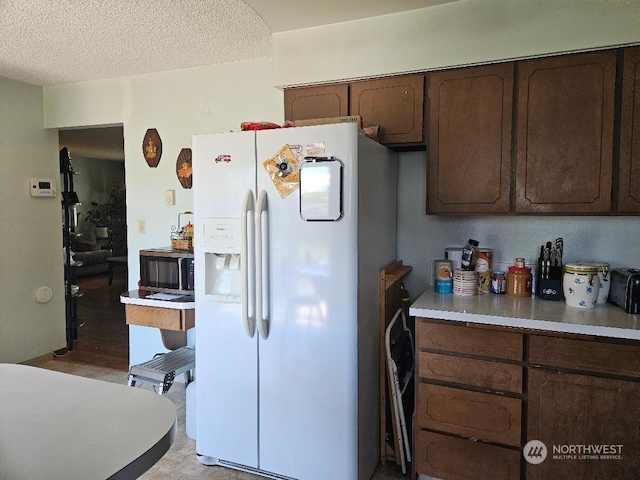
<point x="316" y="102"/>
<point x="470" y="118"/>
<point x="564" y="153"/>
<point x="394" y="104"/>
<point x="629" y="166"/>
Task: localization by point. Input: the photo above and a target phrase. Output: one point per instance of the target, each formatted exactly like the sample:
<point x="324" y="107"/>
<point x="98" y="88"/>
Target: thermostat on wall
<point x="43" y="187"/>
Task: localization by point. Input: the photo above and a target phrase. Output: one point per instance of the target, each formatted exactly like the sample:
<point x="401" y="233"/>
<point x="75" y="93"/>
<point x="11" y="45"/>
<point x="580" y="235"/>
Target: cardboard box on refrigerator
<point x="323" y="121"/>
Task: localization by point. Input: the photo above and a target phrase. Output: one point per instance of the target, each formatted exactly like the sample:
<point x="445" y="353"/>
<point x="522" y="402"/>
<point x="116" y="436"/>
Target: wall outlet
<point x="169" y="197"/>
<point x="142" y="227"/>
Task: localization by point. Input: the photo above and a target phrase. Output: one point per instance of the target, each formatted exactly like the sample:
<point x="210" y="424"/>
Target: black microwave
<point x="167" y="270"/>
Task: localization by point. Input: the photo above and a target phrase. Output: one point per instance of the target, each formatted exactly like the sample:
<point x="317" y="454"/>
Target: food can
<point x="443" y="274"/>
<point x="483" y="267"/>
<point x="465" y="282"/>
<point x="443" y="269"/>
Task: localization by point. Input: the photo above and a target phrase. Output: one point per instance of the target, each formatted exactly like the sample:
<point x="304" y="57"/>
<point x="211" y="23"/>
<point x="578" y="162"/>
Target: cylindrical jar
<point x="581" y="285"/>
<point x="483" y="267"/>
<point x="443" y="274"/>
<point x="455" y="255"/>
<point x="519" y="281"/>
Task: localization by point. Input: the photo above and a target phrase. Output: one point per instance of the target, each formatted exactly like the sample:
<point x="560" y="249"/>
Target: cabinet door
<point x="470" y="118"/>
<point x="565" y="133"/>
<point x="569" y="411"/>
<point x="629" y="171"/>
<point x="394" y="104"/>
<point x="316" y="102"/>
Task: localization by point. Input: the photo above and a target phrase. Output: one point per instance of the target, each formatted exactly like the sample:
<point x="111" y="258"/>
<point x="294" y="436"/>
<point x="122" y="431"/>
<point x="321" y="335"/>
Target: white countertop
<point x="178" y="302"/>
<point x="528" y="312"/>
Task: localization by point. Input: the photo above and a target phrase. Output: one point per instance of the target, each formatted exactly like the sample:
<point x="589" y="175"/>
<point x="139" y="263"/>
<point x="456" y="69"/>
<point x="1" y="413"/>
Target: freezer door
<point x="224" y="168"/>
<point x="307" y="364"/>
<point x="226" y="356"/>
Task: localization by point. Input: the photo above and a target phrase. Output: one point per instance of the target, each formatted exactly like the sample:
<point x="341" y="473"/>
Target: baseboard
<point x="34" y="362"/>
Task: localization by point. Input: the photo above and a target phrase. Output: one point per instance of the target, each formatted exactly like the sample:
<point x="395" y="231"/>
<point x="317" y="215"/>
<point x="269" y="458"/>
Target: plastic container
<point x="519" y="281"/>
<point x="581" y="285"/>
<point x="498" y="282"/>
<point x="470" y="255"/>
<point x="604" y="275"/>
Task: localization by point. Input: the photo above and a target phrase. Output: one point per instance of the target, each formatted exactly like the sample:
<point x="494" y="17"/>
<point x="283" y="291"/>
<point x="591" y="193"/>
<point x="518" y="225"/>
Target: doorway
<point x="97" y="160"/>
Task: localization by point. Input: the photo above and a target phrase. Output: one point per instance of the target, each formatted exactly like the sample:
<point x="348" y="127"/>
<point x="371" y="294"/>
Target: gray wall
<point x="31" y="233"/>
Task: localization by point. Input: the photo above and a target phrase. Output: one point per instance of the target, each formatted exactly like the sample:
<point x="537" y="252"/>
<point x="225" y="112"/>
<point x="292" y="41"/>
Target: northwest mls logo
<point x="534" y="452"/>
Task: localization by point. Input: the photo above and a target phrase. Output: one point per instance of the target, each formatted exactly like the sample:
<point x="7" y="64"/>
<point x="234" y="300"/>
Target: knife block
<point x="549" y="287"/>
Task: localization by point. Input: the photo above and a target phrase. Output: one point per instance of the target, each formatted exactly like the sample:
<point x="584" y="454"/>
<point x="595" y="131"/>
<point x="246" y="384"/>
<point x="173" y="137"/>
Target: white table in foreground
<point x="59" y="426"/>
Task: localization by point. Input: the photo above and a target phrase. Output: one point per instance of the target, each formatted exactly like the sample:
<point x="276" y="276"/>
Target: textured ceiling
<point x="50" y="42"/>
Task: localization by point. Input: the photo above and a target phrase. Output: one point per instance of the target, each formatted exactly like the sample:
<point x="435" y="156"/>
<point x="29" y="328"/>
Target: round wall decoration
<point x="152" y="147"/>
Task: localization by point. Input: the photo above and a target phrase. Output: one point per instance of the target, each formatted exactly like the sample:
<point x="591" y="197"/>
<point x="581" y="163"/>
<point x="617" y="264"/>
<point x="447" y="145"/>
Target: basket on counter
<point x="182" y="235"/>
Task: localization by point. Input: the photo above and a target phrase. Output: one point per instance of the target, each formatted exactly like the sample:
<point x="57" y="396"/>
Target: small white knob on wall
<point x="43" y="294"/>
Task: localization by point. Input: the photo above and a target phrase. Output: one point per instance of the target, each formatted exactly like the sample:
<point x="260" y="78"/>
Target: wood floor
<point x="103" y="337"/>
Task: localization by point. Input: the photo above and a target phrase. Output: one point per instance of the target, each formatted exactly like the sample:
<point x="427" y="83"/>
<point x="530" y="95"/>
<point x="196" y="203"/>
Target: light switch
<point x="169" y="197"/>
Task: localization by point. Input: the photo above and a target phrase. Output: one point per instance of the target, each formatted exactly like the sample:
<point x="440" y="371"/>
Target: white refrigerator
<point x="292" y="227"/>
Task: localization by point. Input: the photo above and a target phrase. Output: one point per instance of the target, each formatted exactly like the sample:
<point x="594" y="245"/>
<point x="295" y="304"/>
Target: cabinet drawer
<point x="165" y="318"/>
<point x="468" y="340"/>
<point x="452" y="458"/>
<point x="470" y="371"/>
<point x="493" y="418"/>
<point x="585" y="355"/>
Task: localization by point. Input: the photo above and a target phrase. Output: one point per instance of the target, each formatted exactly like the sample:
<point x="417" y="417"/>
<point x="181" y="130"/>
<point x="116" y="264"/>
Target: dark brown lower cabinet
<point x="454" y="458"/>
<point x="576" y="416"/>
<point x="484" y="393"/>
<point x="494" y="418"/>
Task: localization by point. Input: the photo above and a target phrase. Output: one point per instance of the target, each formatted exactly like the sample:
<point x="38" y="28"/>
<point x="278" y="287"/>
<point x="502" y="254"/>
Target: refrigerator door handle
<point x="246" y="265"/>
<point x="262" y="265"/>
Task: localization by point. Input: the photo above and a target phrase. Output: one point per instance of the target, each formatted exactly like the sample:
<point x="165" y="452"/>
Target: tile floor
<point x="180" y="462"/>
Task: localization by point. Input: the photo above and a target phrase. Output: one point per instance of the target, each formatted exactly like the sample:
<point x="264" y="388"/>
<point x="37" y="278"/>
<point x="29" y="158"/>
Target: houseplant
<point x="104" y="215"/>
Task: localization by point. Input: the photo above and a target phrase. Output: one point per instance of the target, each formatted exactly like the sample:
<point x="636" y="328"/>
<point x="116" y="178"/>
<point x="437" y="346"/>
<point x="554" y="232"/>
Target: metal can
<point x="498" y="282"/>
<point x="483" y="267"/>
<point x="443" y="273"/>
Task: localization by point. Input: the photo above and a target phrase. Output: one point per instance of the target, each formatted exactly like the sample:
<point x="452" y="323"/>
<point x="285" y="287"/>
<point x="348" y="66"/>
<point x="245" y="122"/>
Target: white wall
<point x="460" y="33"/>
<point x="178" y="104"/>
<point x="31" y="233"/>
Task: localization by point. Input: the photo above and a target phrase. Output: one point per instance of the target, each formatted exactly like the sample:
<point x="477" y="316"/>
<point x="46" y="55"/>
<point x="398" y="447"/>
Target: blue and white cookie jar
<point x="581" y="284"/>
